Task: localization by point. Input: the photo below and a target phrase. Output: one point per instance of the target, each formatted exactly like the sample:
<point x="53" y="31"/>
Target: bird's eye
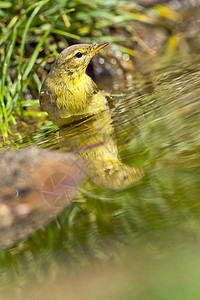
<point x="78" y="54"/>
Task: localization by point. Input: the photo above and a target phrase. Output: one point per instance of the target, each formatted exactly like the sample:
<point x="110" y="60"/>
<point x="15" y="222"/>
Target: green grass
<point x="34" y="33"/>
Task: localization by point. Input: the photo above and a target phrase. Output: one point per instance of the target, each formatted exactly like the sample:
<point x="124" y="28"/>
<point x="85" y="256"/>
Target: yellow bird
<point x="68" y="93"/>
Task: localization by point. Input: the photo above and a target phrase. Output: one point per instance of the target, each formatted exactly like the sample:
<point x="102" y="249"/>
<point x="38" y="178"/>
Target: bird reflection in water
<point x="94" y="140"/>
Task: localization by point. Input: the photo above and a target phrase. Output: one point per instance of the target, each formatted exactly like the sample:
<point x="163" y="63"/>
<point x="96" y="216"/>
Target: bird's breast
<point x="66" y="97"/>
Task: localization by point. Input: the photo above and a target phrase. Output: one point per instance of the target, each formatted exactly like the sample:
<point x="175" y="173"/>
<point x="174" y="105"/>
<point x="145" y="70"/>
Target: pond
<point x="136" y="212"/>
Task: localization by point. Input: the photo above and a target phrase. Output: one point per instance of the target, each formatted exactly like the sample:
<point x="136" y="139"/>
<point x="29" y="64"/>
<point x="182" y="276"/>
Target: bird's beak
<point x="96" y="48"/>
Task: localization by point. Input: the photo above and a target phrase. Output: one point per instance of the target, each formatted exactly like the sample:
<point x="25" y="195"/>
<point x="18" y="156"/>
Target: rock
<point x="35" y="186"/>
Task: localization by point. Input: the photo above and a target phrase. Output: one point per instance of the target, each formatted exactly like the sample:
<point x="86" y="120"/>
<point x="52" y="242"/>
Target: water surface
<point x="152" y="125"/>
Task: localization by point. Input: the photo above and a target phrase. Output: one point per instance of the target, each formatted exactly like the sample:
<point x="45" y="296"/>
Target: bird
<point x="68" y="93"/>
<point x="73" y="102"/>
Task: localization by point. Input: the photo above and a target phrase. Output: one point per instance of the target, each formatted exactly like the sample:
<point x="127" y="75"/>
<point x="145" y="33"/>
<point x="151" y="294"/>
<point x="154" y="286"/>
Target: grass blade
<point x="4" y="73"/>
<point x="22" y="46"/>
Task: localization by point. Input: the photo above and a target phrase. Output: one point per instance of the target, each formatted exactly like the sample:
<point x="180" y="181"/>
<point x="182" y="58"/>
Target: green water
<point x="156" y="123"/>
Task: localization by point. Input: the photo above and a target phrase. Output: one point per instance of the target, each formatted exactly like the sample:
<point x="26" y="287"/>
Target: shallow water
<point x="153" y="124"/>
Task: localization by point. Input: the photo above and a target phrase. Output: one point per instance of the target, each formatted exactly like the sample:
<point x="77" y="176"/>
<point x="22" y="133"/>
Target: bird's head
<point x="75" y="59"/>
